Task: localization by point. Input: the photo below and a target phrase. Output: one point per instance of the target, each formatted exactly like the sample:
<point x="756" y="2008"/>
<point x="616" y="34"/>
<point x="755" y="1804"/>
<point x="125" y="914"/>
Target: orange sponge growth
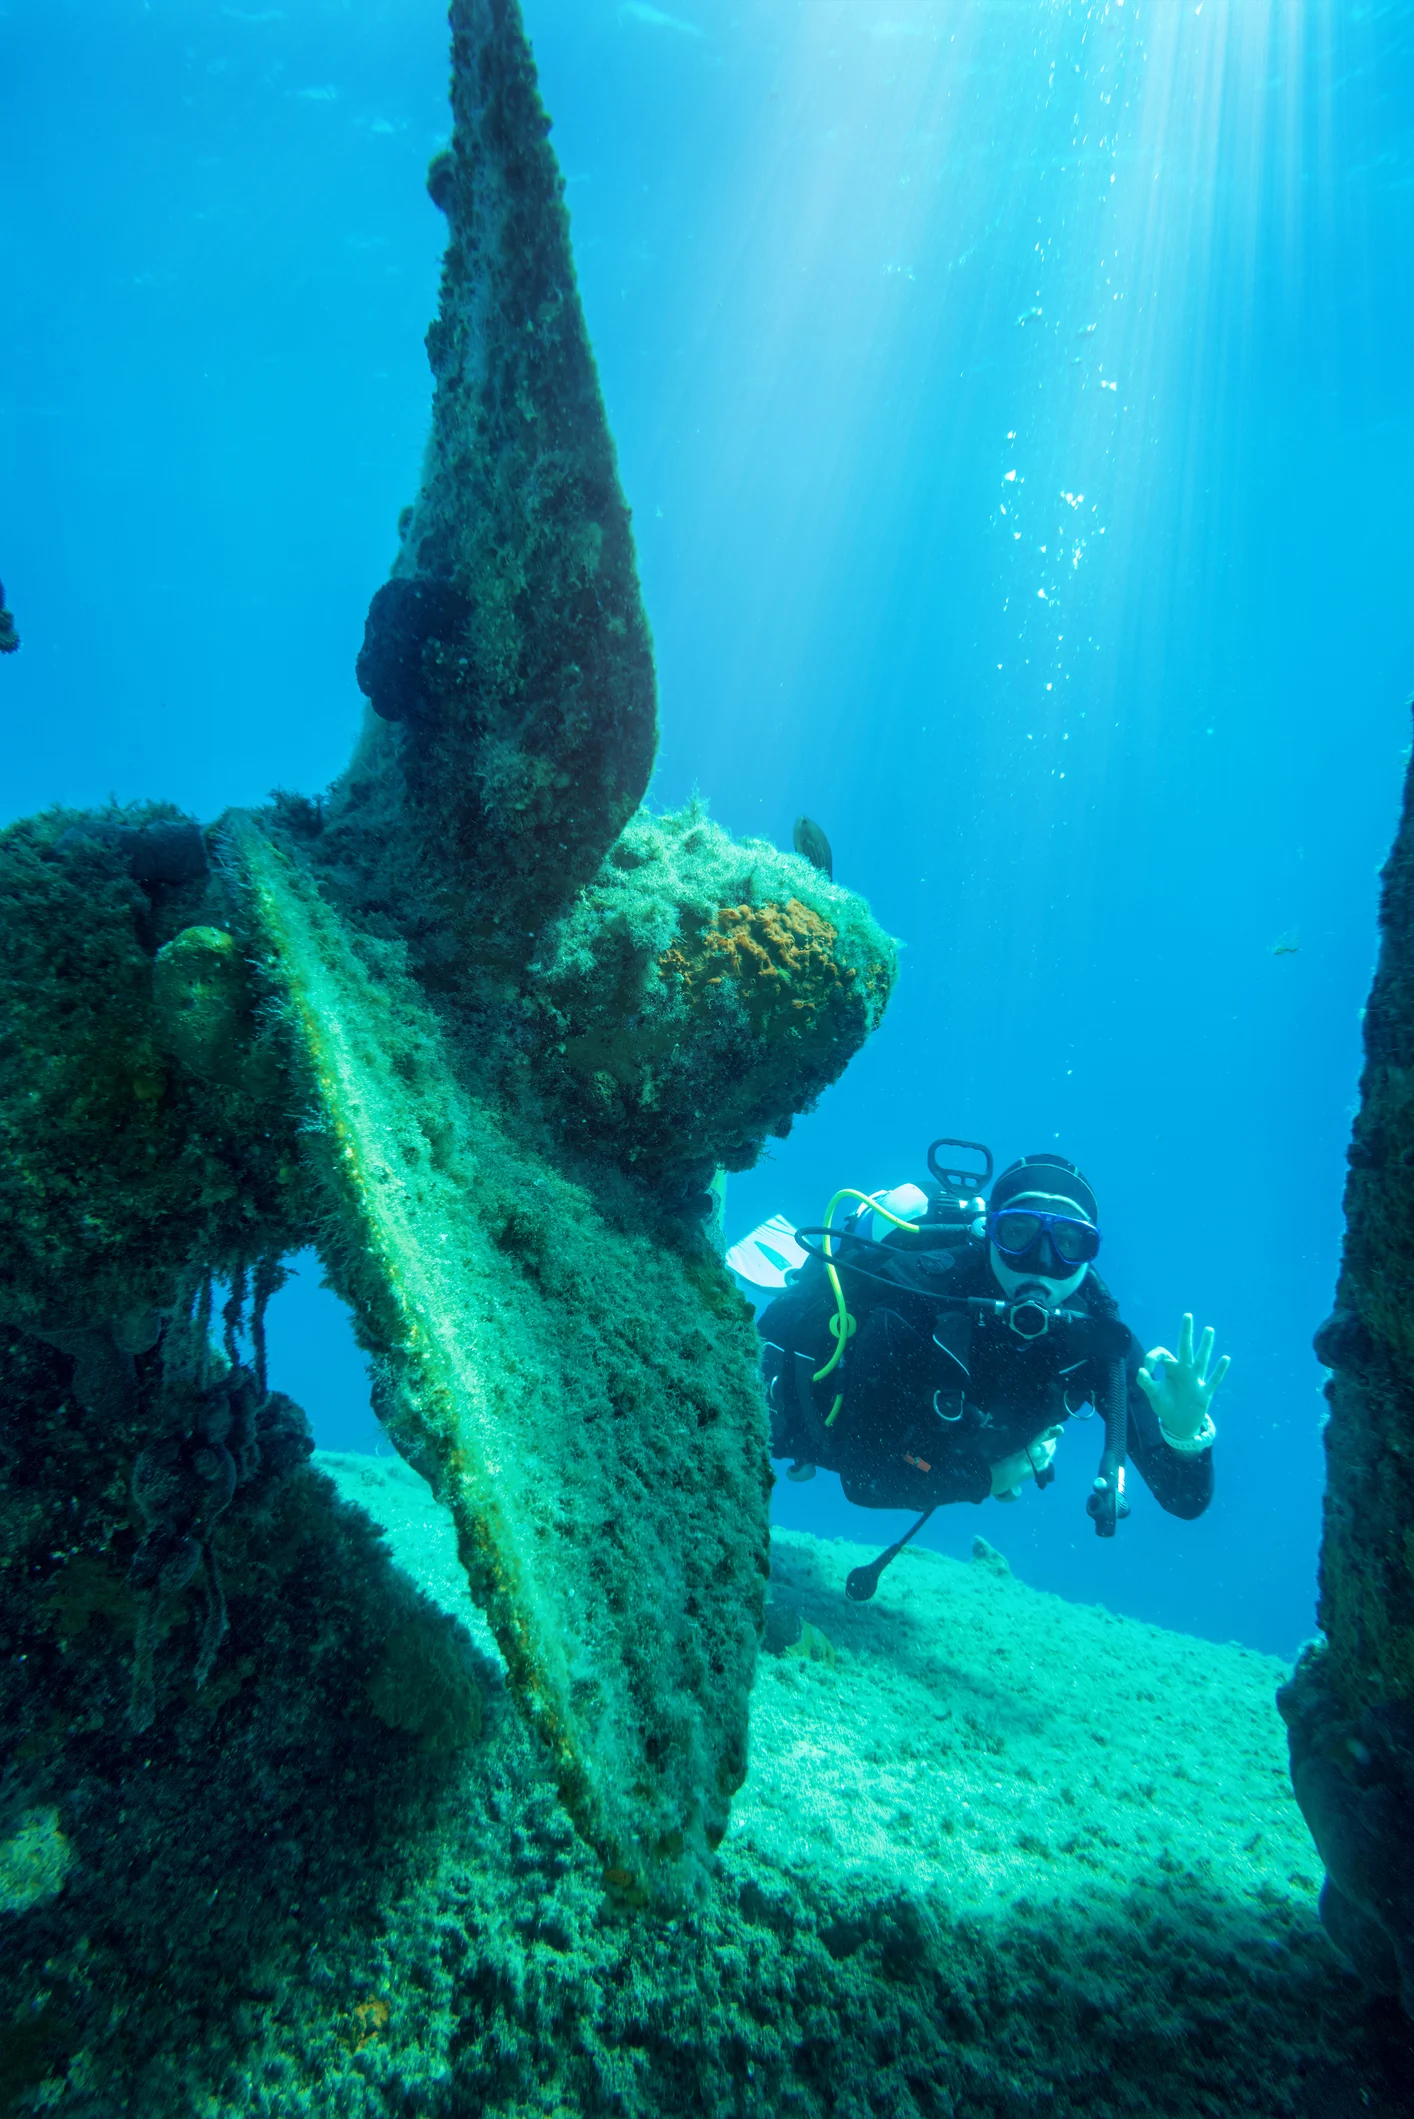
<point x="783" y="964"/>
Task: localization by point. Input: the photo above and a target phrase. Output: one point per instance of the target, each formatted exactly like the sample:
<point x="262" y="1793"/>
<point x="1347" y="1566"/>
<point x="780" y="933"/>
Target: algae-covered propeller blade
<point x="583" y="1397"/>
<point x="510" y="646"/>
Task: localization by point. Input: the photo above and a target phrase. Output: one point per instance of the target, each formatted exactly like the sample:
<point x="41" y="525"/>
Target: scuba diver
<point x="933" y="1347"/>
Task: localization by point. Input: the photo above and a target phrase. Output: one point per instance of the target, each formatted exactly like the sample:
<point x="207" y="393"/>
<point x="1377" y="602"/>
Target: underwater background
<point x="1014" y="405"/>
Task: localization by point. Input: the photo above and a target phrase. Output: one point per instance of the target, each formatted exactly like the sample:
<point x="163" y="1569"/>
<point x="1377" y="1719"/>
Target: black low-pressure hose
<point x="861" y="1582"/>
<point x="1107" y="1501"/>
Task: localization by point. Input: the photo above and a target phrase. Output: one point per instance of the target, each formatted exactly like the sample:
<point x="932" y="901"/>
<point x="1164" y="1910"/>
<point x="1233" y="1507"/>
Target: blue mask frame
<point x="1084" y="1242"/>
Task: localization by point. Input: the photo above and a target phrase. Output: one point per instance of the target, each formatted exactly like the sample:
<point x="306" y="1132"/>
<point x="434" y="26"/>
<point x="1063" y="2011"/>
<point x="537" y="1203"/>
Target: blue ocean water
<point x="1014" y="400"/>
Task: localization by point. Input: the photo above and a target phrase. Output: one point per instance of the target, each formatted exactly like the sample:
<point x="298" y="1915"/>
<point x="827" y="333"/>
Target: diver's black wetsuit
<point x="933" y="1398"/>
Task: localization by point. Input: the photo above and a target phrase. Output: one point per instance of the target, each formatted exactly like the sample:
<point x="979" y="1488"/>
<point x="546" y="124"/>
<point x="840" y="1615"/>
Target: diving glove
<point x="1180" y="1388"/>
<point x="1009" y="1473"/>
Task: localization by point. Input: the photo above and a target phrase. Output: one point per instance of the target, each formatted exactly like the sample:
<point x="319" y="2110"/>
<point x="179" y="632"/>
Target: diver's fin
<point x="768" y="1254"/>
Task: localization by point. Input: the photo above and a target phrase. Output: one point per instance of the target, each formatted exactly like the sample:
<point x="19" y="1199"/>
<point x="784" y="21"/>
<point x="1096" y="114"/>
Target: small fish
<point x="10" y="639"/>
<point x="1086" y="331"/>
<point x="813" y="1646"/>
<point x="1028" y="316"/>
<point x="810" y="842"/>
<point x="1286" y="944"/>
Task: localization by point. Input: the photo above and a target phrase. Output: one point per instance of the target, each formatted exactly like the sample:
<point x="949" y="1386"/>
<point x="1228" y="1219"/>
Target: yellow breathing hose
<point x="842" y="1325"/>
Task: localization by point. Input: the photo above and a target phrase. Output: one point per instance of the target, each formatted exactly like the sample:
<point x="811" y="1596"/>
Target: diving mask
<point x="1017" y="1231"/>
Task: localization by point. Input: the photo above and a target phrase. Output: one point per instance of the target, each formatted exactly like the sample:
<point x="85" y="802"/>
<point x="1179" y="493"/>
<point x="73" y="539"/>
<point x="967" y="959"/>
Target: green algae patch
<point x="205" y="1004"/>
<point x="583" y="1397"/>
<point x="35" y="1858"/>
